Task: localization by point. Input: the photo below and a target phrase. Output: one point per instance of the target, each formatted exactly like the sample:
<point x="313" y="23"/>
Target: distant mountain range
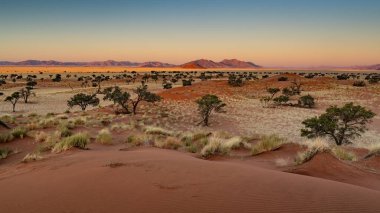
<point x="198" y="64"/>
<point x="371" y="67"/>
<point x="227" y="63"/>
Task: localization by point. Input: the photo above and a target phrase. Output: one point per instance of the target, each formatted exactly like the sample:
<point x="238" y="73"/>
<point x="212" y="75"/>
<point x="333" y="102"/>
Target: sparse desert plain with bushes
<point x="218" y="140"/>
<point x="180" y="106"/>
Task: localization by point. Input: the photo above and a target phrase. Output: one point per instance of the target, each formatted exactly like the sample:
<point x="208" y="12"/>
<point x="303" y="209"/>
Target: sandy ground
<point x="151" y="180"/>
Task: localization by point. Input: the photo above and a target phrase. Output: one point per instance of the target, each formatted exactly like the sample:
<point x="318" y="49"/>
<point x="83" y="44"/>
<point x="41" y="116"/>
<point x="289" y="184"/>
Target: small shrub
<point x="267" y="143"/>
<point x="65" y="132"/>
<point x="104" y="137"/>
<point x="342" y="154"/>
<point x="19" y="132"/>
<point x="359" y="84"/>
<point x="79" y="140"/>
<point x="4" y="152"/>
<point x="306" y="101"/>
<point x="280" y="100"/>
<point x="6" y="137"/>
<point x="282" y="78"/>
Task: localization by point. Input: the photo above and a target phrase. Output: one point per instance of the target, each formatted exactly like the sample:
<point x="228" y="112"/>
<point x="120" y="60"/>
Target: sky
<point x="266" y="32"/>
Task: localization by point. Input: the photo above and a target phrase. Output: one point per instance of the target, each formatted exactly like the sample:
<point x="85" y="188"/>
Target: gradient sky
<point x="267" y="32"/>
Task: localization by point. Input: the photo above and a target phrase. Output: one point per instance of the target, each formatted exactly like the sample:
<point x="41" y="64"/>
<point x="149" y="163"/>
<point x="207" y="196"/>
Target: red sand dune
<point x="154" y="180"/>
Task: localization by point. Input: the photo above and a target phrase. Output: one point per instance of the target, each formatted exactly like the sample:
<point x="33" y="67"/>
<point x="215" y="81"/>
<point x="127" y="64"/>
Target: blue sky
<point x="269" y="32"/>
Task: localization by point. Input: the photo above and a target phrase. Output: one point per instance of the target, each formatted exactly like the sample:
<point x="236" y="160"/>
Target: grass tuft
<point x="343" y="154"/>
<point x="19" y="132"/>
<point x="79" y="140"/>
<point x="32" y="157"/>
<point x="4" y="152"/>
<point x="6" y="137"/>
<point x="168" y="143"/>
<point x="104" y="137"/>
<point x="266" y="144"/>
<point x="152" y="130"/>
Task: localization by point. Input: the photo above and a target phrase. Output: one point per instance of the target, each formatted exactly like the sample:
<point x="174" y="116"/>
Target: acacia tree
<point x="26" y="93"/>
<point x="13" y="99"/>
<point x="83" y="101"/>
<point x="341" y="124"/>
<point x="206" y="105"/>
<point x="118" y="97"/>
<point x="143" y="95"/>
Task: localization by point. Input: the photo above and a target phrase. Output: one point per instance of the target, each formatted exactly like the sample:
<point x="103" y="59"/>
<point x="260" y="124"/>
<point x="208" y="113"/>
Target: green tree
<point x="342" y="124"/>
<point x="119" y="97"/>
<point x="83" y="101"/>
<point x="13" y="99"/>
<point x="143" y="95"/>
<point x="206" y="105"/>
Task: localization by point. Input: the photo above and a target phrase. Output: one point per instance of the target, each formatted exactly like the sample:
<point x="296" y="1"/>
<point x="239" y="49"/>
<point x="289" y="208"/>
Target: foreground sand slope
<point x="154" y="180"/>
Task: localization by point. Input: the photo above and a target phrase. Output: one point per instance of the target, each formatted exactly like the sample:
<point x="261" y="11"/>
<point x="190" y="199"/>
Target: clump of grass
<point x="343" y="154"/>
<point x="79" y="140"/>
<point x="65" y="132"/>
<point x="32" y="157"/>
<point x="47" y="142"/>
<point x="79" y="121"/>
<point x="119" y="126"/>
<point x="266" y="144"/>
<point x="104" y="137"/>
<point x="19" y="132"/>
<point x="152" y="130"/>
<point x="6" y="137"/>
<point x="190" y="137"/>
<point x="236" y="142"/>
<point x="139" y="140"/>
<point x="315" y="146"/>
<point x="32" y="115"/>
<point x="168" y="143"/>
<point x="213" y="147"/>
<point x="373" y="151"/>
<point x="4" y="152"/>
<point x="8" y="119"/>
<point x="40" y="136"/>
<point x="305" y="156"/>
